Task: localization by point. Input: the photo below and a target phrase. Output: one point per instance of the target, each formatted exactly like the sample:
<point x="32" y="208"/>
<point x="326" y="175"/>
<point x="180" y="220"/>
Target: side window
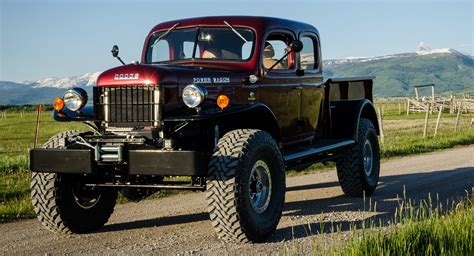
<point x="246" y="50"/>
<point x="276" y="46"/>
<point x="309" y="54"/>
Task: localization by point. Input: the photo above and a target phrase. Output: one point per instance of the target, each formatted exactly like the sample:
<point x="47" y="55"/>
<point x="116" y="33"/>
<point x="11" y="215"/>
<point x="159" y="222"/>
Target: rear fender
<point x="345" y="117"/>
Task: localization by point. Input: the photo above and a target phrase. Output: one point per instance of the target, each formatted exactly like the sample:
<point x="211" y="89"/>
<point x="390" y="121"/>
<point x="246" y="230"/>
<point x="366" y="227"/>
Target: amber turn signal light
<point x="223" y="101"/>
<point x="58" y="104"/>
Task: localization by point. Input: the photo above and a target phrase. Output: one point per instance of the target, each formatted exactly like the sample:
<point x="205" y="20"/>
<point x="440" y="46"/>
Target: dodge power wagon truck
<point x="228" y="102"/>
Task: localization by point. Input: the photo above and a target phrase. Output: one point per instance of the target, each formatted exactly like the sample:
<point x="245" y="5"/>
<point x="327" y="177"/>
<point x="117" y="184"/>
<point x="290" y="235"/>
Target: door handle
<point x="297" y="88"/>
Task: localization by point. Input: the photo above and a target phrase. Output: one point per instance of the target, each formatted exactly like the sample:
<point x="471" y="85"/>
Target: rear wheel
<point x="358" y="169"/>
<point x="246" y="186"/>
<point x="62" y="202"/>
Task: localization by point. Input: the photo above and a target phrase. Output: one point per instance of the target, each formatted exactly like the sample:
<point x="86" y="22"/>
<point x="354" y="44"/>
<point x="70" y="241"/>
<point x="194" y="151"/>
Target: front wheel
<point x="358" y="169"/>
<point x="62" y="202"/>
<point x="246" y="186"/>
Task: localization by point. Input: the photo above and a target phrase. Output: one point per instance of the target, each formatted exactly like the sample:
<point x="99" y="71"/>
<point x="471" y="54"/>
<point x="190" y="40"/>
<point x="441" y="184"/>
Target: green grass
<point x="402" y="137"/>
<point x="15" y="202"/>
<point x="16" y="138"/>
<point x="417" y="227"/>
<point x="423" y="231"/>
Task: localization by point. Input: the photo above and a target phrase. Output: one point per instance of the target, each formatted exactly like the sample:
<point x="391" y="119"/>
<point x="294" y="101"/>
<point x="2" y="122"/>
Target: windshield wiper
<point x="164" y="34"/>
<point x="235" y="31"/>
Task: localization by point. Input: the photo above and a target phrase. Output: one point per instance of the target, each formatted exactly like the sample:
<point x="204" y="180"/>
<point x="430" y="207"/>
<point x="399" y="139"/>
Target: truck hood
<point x="146" y="74"/>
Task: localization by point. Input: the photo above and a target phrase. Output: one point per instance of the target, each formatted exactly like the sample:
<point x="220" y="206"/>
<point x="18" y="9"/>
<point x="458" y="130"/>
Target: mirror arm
<point x="120" y="60"/>
<point x="276" y="63"/>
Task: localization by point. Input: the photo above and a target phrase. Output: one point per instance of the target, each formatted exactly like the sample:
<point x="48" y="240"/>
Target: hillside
<point x="451" y="72"/>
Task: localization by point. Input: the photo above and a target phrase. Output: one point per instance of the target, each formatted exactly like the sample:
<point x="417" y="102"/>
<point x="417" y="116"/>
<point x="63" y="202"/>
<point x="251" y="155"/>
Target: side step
<point x="315" y="151"/>
<point x="199" y="187"/>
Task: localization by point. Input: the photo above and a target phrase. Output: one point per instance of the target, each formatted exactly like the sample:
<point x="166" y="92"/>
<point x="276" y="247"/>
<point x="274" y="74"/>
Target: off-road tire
<point x="228" y="190"/>
<point x="53" y="199"/>
<point x="353" y="179"/>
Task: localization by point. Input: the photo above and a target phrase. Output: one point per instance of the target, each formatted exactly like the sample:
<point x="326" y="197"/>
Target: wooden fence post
<point x="38" y="117"/>
<point x="382" y="136"/>
<point x="399" y="108"/>
<point x="408" y="107"/>
<point x="425" y="129"/>
<point x="457" y="119"/>
<point x="438" y="119"/>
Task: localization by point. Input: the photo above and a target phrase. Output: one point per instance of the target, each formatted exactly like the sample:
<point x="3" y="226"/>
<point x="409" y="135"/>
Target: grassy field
<point x="422" y="231"/>
<point x="403" y="136"/>
<point x="418" y="227"/>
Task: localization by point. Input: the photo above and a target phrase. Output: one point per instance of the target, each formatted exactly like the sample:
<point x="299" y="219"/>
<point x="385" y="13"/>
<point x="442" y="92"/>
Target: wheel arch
<point x="367" y="111"/>
<point x="256" y="117"/>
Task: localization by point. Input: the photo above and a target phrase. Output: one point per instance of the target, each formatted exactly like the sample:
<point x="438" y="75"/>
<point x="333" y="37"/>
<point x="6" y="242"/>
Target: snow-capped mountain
<point x="422" y="49"/>
<point x="88" y="79"/>
<point x="43" y="90"/>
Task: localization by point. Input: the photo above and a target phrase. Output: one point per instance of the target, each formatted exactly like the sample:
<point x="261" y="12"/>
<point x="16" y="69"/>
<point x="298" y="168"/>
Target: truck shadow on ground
<point x="314" y="210"/>
<point x="156" y="222"/>
<point x="324" y="215"/>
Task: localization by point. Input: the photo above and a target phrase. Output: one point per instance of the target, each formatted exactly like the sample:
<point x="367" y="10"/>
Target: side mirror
<point x="296" y="46"/>
<point x="115" y="51"/>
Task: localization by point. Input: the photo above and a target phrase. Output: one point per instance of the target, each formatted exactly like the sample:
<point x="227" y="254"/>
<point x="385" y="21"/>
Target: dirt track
<point x="179" y="224"/>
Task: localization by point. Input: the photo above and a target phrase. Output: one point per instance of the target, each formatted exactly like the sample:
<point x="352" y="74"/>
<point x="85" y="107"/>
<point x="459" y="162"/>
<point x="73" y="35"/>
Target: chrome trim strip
<point x="106" y="107"/>
<point x="156" y="104"/>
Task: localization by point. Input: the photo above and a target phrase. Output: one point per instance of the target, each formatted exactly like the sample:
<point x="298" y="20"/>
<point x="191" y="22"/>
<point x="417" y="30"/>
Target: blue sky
<point x="64" y="38"/>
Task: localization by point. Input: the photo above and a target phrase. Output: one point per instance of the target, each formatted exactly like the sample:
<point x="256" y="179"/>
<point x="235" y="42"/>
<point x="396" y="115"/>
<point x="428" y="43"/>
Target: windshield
<point x="201" y="43"/>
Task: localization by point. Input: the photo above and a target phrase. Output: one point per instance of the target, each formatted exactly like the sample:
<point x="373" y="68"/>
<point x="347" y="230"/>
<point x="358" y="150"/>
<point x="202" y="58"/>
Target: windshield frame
<point x="206" y="60"/>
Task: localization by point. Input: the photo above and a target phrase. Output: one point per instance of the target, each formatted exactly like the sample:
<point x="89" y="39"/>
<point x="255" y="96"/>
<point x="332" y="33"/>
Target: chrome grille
<point x="128" y="106"/>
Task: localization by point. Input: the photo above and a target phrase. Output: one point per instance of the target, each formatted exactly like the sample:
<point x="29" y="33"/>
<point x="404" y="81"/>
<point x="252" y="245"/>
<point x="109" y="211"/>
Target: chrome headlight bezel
<point x="75" y="99"/>
<point x="193" y="95"/>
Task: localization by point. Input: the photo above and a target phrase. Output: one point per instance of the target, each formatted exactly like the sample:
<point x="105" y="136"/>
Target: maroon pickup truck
<point x="229" y="103"/>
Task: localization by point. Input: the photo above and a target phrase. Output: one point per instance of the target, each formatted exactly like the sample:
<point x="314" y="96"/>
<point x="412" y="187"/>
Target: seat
<point x="211" y="53"/>
<point x="268" y="54"/>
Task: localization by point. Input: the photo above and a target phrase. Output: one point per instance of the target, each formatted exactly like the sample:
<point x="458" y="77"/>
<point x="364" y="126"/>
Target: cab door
<point x="312" y="83"/>
<point x="280" y="89"/>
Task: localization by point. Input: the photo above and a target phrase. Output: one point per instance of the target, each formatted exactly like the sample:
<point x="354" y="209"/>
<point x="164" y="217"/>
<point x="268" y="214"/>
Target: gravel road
<point x="179" y="224"/>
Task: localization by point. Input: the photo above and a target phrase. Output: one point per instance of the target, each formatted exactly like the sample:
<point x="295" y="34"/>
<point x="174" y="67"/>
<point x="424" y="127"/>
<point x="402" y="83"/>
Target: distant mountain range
<point x="452" y="72"/>
<point x="43" y="90"/>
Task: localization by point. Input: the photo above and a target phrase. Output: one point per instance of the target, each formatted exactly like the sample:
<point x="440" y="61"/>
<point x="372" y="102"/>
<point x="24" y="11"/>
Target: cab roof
<point x="259" y="24"/>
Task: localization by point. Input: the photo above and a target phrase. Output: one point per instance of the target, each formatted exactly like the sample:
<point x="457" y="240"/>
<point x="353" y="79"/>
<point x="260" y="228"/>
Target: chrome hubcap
<point x="85" y="198"/>
<point x="260" y="186"/>
<point x="368" y="158"/>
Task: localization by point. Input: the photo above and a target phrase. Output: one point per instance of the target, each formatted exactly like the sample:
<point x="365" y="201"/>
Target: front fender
<point x="252" y="116"/>
<point x="66" y="115"/>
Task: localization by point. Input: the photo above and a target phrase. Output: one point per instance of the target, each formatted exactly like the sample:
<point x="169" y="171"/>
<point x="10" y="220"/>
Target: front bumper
<point x="136" y="162"/>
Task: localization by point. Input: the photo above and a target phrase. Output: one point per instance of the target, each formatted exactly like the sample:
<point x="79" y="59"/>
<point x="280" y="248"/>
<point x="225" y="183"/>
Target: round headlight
<point x="75" y="99"/>
<point x="193" y="95"/>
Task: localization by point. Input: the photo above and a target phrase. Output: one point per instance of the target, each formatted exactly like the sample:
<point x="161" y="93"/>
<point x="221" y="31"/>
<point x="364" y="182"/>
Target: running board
<point x="315" y="150"/>
<point x="177" y="187"/>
